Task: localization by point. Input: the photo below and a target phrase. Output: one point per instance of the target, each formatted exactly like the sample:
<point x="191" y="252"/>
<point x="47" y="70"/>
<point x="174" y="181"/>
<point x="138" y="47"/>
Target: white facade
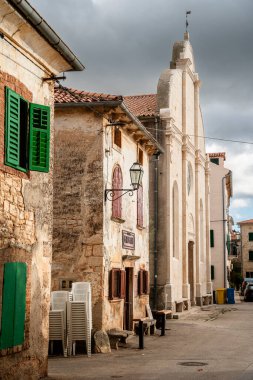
<point x="220" y="193"/>
<point x="184" y="260"/>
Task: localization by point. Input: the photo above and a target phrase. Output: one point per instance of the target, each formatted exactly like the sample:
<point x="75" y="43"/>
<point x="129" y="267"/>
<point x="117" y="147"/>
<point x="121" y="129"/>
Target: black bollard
<point x="141" y="335"/>
<point x="163" y="324"/>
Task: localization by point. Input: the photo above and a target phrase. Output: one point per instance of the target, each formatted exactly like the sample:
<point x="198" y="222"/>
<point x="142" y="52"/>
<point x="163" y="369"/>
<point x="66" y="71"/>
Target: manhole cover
<point x="193" y="364"/>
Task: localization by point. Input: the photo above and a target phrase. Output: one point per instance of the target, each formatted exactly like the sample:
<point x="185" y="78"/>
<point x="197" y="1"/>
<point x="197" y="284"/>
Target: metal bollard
<point x="163" y="324"/>
<point x="141" y="335"/>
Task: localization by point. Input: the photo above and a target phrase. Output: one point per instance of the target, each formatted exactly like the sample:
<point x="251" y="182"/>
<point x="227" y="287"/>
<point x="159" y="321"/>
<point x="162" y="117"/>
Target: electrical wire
<point x="206" y="137"/>
<point x="80" y="98"/>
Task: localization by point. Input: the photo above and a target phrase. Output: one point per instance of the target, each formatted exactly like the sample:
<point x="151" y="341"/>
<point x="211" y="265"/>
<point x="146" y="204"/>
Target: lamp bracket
<point x="110" y="193"/>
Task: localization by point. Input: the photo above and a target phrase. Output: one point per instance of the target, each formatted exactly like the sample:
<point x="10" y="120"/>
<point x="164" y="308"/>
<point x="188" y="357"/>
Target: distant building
<point x="30" y="54"/>
<point x="100" y="235"/>
<point x="221" y="191"/>
<point x="180" y="248"/>
<point x="246" y="227"/>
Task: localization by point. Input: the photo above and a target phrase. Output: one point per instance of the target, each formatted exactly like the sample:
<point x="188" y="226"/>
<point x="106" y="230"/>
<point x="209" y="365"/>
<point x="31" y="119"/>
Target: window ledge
<point x="117" y="220"/>
<point x="117" y="148"/>
<point x="116" y="300"/>
<point x="140" y="227"/>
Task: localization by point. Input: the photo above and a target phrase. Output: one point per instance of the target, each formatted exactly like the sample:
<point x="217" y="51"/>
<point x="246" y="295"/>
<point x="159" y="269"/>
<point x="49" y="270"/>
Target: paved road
<point x="216" y="343"/>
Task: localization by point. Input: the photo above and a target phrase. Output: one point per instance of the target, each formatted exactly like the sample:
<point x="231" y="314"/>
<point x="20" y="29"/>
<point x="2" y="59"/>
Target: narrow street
<point x="212" y="343"/>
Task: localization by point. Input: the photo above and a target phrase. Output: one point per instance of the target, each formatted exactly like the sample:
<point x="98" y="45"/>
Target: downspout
<point x="155" y="219"/>
<point x="33" y="17"/>
<point x="224" y="239"/>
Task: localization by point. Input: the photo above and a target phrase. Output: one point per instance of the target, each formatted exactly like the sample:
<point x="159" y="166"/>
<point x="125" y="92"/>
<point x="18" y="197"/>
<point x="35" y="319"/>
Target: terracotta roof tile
<point x="142" y="105"/>
<point x="249" y="221"/>
<point x="70" y="95"/>
<point x="218" y="154"/>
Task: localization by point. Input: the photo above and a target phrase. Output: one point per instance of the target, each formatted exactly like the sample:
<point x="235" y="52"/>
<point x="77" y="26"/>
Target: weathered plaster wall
<point x="26" y="220"/>
<point x="113" y="251"/>
<point x="78" y="202"/>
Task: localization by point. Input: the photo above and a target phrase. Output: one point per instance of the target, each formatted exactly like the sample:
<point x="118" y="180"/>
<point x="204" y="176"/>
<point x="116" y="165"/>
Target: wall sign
<point x="128" y="240"/>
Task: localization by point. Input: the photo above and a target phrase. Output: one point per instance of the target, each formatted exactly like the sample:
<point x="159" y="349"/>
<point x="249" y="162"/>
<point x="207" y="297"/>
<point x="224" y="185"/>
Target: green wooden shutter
<point x="212" y="272"/>
<point x="211" y="238"/>
<point x="39" y="138"/>
<point x="12" y="128"/>
<point x="13" y="305"/>
<point x="250" y="236"/>
<point x="20" y="303"/>
<point x="8" y="305"/>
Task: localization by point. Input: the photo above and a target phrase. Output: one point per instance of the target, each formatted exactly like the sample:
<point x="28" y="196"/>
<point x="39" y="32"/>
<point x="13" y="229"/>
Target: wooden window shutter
<point x="211" y="238"/>
<point x="13" y="305"/>
<point x="20" y="304"/>
<point x="212" y="272"/>
<point x="117" y="183"/>
<point x="140" y="282"/>
<point x="115" y="283"/>
<point x="39" y="138"/>
<point x="140" y="206"/>
<point x="145" y="282"/>
<point x="12" y="128"/>
<point x="111" y="284"/>
<point x="122" y="284"/>
<point x="250" y="236"/>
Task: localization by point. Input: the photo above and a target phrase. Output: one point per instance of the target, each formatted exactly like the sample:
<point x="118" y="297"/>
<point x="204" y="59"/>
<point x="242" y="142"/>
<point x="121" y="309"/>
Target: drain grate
<point x="193" y="364"/>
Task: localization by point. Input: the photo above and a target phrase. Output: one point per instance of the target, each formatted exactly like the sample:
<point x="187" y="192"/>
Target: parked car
<point x="246" y="280"/>
<point x="248" y="292"/>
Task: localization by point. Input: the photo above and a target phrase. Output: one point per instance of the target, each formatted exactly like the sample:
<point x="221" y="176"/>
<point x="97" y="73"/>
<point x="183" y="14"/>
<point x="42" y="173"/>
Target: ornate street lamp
<point x="136" y="174"/>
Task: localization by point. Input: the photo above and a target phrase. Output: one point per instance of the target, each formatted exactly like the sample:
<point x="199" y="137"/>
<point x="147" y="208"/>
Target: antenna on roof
<point x="186" y="20"/>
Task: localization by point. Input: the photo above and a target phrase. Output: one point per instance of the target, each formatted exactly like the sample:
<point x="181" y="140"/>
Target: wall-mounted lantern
<point x="136" y="174"/>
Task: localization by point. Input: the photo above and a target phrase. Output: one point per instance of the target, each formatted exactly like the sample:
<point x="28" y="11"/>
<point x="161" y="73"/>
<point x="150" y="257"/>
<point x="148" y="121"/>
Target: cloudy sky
<point x="125" y="44"/>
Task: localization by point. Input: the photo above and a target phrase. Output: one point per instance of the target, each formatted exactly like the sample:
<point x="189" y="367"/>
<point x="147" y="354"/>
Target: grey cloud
<point x="125" y="44"/>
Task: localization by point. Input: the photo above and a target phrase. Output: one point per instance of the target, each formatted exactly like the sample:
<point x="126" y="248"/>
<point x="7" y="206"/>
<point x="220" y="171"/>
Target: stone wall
<point x="78" y="203"/>
<point x="25" y="224"/>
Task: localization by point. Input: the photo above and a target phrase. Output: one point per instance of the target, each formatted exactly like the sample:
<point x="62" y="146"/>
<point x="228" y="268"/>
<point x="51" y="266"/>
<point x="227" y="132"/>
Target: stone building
<point x="28" y="58"/>
<point x="246" y="227"/>
<point x="221" y="190"/>
<point x="180" y="252"/>
<point x="96" y="239"/>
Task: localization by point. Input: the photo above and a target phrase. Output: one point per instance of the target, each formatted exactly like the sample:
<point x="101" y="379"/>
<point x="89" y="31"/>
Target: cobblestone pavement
<point x="213" y="342"/>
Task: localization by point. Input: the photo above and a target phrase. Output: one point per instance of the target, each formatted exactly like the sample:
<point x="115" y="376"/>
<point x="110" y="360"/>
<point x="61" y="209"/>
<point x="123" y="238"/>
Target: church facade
<point x="179" y="186"/>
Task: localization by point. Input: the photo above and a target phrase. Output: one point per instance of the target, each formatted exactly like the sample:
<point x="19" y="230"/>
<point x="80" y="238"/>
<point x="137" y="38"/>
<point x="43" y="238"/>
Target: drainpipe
<point x="155" y="219"/>
<point x="224" y="231"/>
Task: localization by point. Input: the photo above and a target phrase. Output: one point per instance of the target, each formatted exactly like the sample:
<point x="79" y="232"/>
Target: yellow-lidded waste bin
<point x="221" y="296"/>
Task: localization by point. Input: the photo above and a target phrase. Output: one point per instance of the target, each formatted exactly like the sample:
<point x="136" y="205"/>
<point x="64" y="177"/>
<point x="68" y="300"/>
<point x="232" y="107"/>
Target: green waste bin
<point x="220" y="296"/>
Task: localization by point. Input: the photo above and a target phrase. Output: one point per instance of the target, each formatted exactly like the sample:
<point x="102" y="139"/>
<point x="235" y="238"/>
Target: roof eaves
<point x="42" y="27"/>
<point x="142" y="128"/>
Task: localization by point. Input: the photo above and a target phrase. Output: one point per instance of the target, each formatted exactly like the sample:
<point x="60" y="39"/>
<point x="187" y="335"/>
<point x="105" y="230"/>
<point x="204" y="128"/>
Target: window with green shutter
<point x="250" y="236"/>
<point x="212" y="272"/>
<point x="211" y="238"/>
<point x="13" y="305"/>
<point x="26" y="141"/>
<point x="39" y="137"/>
<point x="250" y="255"/>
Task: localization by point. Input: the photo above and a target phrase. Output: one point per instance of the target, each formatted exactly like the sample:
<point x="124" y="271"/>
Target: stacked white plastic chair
<point x="57" y="319"/>
<point x="79" y="316"/>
